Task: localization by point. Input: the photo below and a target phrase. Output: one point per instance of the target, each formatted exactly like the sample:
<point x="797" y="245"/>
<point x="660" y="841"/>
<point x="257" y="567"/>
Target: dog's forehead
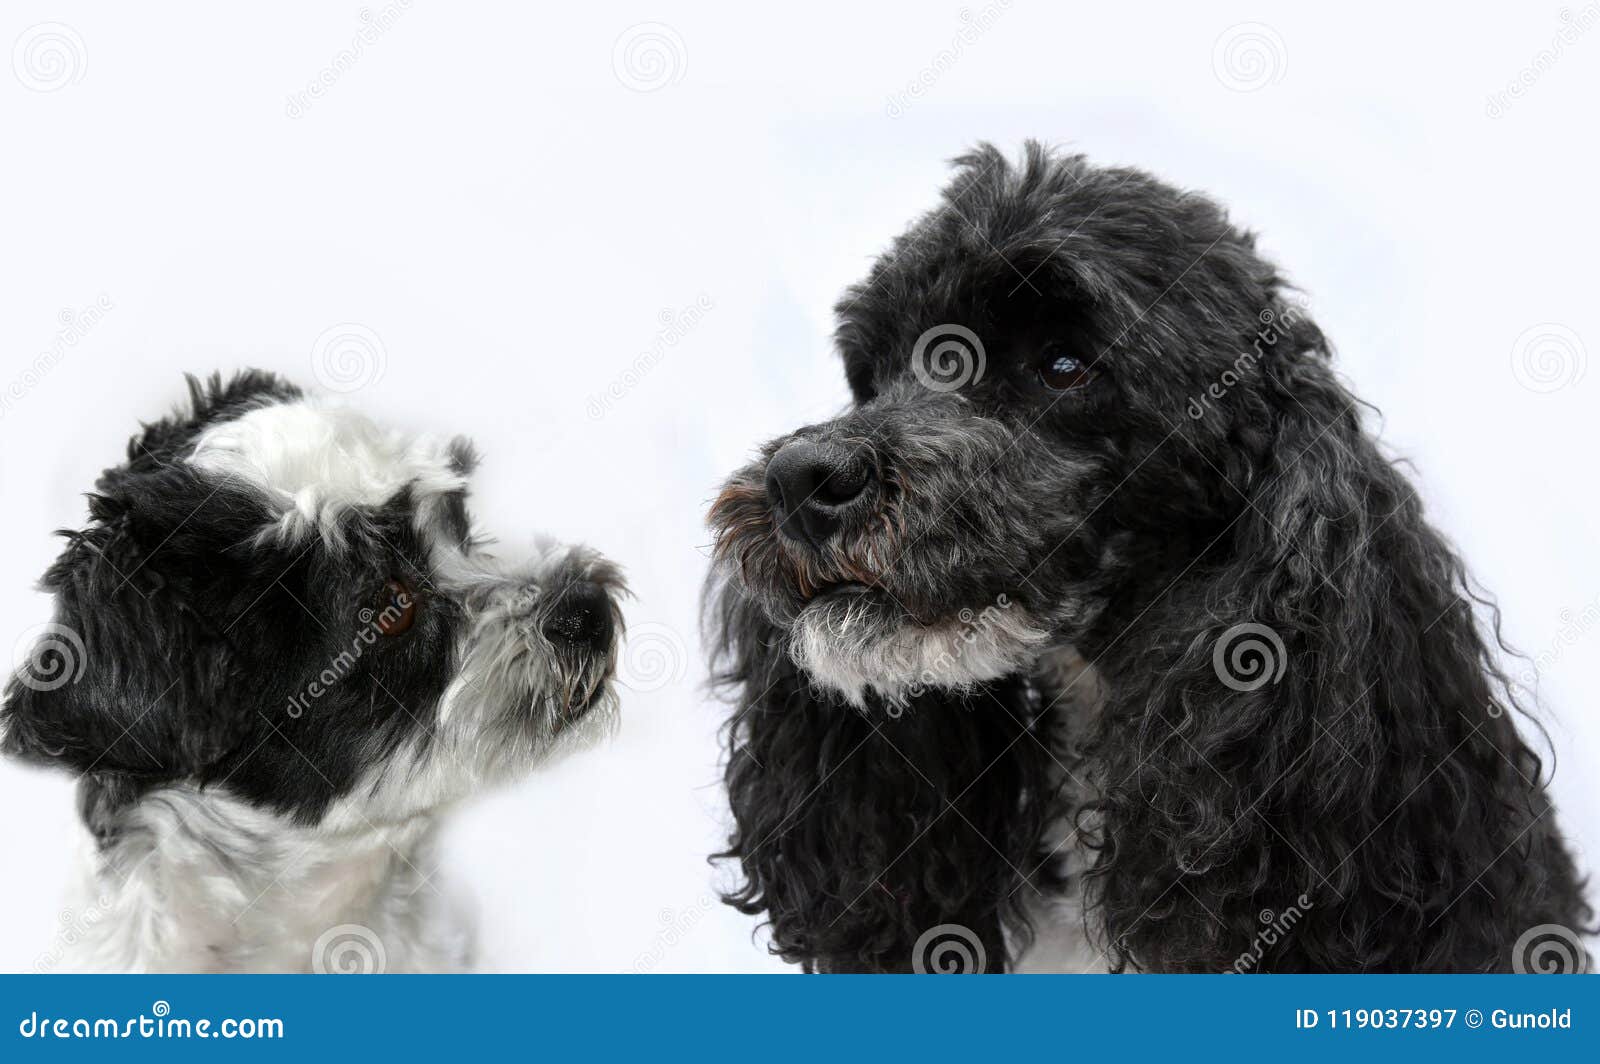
<point x="312" y="461"/>
<point x="1050" y="246"/>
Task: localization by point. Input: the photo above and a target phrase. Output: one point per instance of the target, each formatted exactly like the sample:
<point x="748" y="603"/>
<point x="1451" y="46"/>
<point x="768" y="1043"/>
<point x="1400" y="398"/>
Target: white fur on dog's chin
<point x="199" y="882"/>
<point x="314" y="461"/>
<point x="848" y="650"/>
<point x="503" y="665"/>
<point x="427" y="775"/>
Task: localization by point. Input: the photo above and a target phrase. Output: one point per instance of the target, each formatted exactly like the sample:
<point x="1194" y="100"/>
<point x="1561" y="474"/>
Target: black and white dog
<point x="1099" y="609"/>
<point x="277" y="652"/>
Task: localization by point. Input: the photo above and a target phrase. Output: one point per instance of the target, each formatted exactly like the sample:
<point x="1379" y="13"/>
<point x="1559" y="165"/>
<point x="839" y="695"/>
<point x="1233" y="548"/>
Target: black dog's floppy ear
<point x="1328" y="675"/>
<point x="105" y="685"/>
<point x="125" y="677"/>
<point x="875" y="841"/>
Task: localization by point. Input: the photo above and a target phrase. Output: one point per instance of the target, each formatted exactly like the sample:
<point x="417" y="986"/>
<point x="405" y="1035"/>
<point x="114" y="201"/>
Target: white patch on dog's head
<point x="846" y="647"/>
<point x="314" y="462"/>
<point x="514" y="698"/>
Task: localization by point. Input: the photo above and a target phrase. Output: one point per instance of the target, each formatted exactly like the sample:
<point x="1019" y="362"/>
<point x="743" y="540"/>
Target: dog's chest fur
<point x="198" y="882"/>
<point x="1062" y="940"/>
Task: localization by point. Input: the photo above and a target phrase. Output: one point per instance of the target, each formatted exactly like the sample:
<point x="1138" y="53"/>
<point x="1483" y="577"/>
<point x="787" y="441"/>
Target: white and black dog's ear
<point x="124" y="678"/>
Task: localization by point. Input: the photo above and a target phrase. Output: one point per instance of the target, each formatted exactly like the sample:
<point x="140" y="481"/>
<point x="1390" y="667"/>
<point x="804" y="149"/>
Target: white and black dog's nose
<point x="812" y="487"/>
<point x="580" y="617"/>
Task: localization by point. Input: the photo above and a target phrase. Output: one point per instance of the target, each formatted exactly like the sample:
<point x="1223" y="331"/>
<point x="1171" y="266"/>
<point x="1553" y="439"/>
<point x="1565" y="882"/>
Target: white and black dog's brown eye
<point x="395" y="608"/>
<point x="1061" y="372"/>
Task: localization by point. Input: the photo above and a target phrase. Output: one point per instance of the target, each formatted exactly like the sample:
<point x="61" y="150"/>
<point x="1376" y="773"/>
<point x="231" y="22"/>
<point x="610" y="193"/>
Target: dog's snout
<point x="580" y="616"/>
<point x="811" y="487"/>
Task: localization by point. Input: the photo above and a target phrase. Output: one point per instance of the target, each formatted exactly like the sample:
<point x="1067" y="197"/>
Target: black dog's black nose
<point x="580" y="616"/>
<point x="811" y="486"/>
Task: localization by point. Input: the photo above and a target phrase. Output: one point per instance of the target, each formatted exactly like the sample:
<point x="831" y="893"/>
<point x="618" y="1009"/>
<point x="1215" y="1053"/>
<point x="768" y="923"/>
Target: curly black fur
<point x="1196" y="468"/>
<point x="873" y="838"/>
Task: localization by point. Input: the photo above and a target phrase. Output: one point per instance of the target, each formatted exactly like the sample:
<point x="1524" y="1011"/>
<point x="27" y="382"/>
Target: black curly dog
<point x="1100" y="592"/>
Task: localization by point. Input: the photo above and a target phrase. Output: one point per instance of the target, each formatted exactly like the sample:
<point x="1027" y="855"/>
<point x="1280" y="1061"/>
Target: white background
<point x="488" y="190"/>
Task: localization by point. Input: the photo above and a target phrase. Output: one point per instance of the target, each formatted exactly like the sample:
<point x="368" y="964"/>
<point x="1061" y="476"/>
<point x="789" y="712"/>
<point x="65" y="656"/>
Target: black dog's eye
<point x="394" y="608"/>
<point x="1061" y="372"/>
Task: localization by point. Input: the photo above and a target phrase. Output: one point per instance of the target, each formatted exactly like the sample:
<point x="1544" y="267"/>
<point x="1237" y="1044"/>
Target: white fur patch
<point x="846" y="649"/>
<point x="1064" y="940"/>
<point x="314" y="461"/>
<point x="199" y="882"/>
